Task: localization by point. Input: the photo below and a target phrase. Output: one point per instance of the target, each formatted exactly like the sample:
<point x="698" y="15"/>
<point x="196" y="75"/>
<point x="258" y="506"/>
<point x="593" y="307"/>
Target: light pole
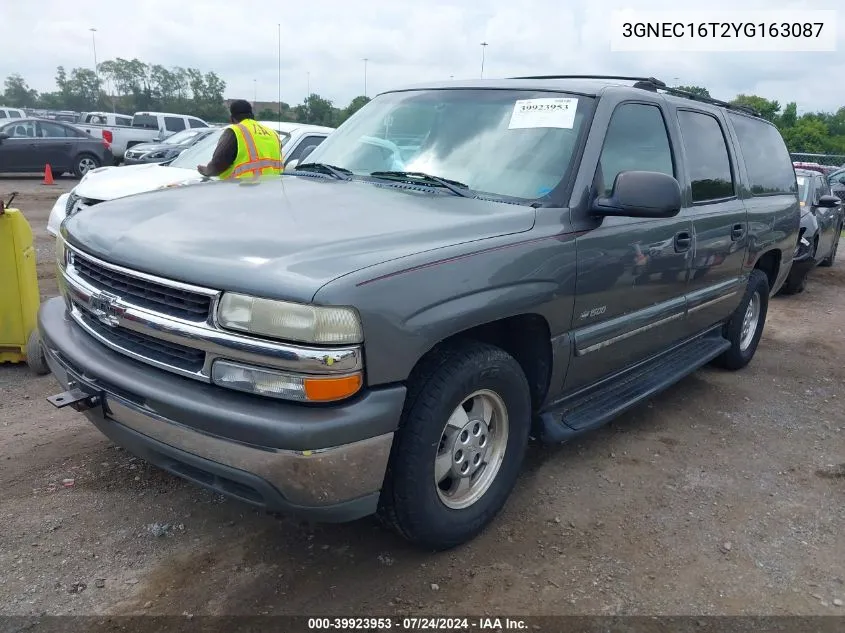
<point x="254" y="92"/>
<point x="96" y="70"/>
<point x="280" y="73"/>
<point x="308" y="98"/>
<point x="365" y="76"/>
<point x="484" y="46"/>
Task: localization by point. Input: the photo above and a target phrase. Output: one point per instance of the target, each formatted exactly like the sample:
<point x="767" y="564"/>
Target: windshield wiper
<point x="338" y="172"/>
<point x="458" y="188"/>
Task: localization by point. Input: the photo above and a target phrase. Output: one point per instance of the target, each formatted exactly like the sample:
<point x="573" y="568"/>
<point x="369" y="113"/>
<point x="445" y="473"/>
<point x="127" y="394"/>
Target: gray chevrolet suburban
<point x="459" y="268"/>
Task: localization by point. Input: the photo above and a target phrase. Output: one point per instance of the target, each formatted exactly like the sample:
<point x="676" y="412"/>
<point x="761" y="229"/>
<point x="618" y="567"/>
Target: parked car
<point x="11" y="113"/>
<point x="123" y="131"/>
<point x="166" y="123"/>
<point x="822" y="169"/>
<point x="821" y="225"/>
<point x="28" y="145"/>
<point x="837" y="183"/>
<point x="108" y="183"/>
<point x="168" y="149"/>
<point x="365" y="339"/>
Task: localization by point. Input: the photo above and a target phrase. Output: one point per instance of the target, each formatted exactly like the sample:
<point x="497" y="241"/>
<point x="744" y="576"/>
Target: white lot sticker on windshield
<point x="533" y="113"/>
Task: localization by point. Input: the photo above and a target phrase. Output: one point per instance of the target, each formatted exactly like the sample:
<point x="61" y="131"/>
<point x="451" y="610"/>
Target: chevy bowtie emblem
<point x="105" y="307"/>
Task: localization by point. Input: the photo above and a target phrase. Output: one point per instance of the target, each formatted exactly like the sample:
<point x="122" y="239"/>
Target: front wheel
<point x="459" y="450"/>
<point x="85" y="163"/>
<point x="745" y="327"/>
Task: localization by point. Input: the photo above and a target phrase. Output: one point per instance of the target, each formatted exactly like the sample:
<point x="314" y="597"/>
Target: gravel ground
<point x="724" y="495"/>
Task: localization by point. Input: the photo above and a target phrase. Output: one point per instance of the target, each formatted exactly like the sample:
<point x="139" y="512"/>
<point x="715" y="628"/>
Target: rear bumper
<point x="325" y="463"/>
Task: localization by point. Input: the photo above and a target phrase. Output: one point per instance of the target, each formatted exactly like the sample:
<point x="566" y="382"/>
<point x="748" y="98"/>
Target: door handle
<point x="683" y="241"/>
<point x="737" y="232"/>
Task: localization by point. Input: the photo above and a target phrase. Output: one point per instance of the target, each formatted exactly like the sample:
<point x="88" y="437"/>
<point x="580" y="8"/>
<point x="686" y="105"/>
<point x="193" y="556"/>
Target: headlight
<point x="156" y="155"/>
<point x="277" y="384"/>
<point x="289" y="321"/>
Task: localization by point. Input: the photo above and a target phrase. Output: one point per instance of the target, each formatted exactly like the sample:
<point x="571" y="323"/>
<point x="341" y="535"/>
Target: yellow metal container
<point x="19" y="295"/>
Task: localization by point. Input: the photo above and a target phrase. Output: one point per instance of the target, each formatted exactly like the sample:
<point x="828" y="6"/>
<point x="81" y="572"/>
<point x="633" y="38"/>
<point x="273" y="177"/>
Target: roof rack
<point x="653" y="85"/>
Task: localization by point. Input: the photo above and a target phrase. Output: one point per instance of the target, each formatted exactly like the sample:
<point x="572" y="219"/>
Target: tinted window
<point x="2" y="114"/>
<point x="14" y="115"/>
<point x="51" y="130"/>
<point x="707" y="156"/>
<point x="146" y="121"/>
<point x="636" y="140"/>
<point x="197" y="123"/>
<point x="822" y="187"/>
<point x="765" y="155"/>
<point x="305" y="143"/>
<point x="122" y="121"/>
<point x="21" y="130"/>
<point x="174" y="124"/>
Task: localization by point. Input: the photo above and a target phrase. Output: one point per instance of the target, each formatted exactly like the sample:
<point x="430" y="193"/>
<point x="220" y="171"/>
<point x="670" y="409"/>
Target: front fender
<point x="406" y="313"/>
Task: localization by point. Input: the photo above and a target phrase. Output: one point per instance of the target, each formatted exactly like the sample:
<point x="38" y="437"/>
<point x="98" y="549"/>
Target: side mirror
<point x="829" y="202"/>
<point x="4" y="136"/>
<point x="306" y="152"/>
<point x="641" y="194"/>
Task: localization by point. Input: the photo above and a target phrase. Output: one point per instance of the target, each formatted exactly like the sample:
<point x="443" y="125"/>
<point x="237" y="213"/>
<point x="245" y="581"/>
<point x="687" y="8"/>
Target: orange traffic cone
<point x="48" y="175"/>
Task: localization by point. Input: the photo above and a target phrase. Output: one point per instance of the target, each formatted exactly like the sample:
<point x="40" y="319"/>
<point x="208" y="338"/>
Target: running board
<point x="599" y="405"/>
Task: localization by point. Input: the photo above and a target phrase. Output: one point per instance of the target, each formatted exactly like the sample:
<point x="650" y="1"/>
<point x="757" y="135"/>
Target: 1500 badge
<point x="586" y="314"/>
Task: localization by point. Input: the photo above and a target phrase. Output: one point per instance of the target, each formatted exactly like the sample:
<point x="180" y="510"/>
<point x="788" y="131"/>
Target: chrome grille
<point x="158" y="350"/>
<point x="165" y="300"/>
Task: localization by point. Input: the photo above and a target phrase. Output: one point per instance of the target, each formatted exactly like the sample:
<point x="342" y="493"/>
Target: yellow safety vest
<point x="259" y="151"/>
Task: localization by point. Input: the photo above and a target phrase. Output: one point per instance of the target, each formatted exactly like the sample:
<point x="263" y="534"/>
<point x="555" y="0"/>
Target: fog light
<point x="278" y="384"/>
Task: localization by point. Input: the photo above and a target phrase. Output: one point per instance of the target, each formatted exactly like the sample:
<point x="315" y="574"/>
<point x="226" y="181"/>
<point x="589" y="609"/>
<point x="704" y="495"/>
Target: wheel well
<point x="527" y="338"/>
<point x="769" y="263"/>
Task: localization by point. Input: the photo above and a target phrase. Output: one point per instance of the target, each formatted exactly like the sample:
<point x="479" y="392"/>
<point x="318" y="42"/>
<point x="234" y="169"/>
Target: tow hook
<point x="74" y="398"/>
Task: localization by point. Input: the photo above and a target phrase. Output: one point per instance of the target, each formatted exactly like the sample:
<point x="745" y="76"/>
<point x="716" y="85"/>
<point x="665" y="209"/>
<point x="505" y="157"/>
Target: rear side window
<point x="766" y="158"/>
<point x="145" y="121"/>
<point x="122" y="121"/>
<point x="14" y="115"/>
<point x="636" y="140"/>
<point x="196" y="123"/>
<point x="708" y="162"/>
<point x="2" y="114"/>
<point x="174" y="124"/>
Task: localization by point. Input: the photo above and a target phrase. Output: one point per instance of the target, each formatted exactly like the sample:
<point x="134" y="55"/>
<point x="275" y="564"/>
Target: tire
<point x="85" y="163"/>
<point x="831" y="259"/>
<point x="431" y="515"/>
<point x="743" y="346"/>
<point x="35" y="358"/>
<point x="794" y="284"/>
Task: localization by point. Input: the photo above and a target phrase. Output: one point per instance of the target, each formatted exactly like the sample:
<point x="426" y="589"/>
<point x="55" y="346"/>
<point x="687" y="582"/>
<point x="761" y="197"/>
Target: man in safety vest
<point x="246" y="148"/>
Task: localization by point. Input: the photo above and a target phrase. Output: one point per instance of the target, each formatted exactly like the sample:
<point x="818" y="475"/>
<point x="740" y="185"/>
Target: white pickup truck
<point x="123" y="131"/>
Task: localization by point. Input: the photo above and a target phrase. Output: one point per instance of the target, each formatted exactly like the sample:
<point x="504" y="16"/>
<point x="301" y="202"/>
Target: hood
<point x="283" y="237"/>
<point x="117" y="182"/>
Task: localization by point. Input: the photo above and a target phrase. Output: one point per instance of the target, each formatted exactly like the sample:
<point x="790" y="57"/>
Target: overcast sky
<point x="405" y="42"/>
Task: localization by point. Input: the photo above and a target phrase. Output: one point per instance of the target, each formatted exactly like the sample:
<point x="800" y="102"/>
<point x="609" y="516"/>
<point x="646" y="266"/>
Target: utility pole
<point x="484" y="46"/>
<point x="365" y="76"/>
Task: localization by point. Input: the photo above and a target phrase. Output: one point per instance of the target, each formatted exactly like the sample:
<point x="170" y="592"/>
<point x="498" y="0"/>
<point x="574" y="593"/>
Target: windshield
<point x="503" y="142"/>
<point x="181" y="137"/>
<point x="803" y="188"/>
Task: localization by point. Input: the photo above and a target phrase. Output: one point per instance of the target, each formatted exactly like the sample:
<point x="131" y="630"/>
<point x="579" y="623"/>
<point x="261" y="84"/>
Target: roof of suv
<point x="586" y="85"/>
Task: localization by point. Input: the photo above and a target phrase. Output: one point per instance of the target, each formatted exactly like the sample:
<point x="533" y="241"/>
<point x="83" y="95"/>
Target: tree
<point x="317" y="111"/>
<point x="356" y="104"/>
<point x="789" y="116"/>
<point x="696" y="90"/>
<point x="767" y="109"/>
<point x="18" y="94"/>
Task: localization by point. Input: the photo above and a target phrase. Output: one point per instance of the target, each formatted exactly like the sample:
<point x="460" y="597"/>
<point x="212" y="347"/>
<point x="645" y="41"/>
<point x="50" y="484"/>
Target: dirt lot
<point x="725" y="495"/>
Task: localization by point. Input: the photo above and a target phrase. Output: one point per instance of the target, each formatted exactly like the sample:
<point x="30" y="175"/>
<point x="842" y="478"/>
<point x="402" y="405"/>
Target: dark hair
<point x="240" y="109"/>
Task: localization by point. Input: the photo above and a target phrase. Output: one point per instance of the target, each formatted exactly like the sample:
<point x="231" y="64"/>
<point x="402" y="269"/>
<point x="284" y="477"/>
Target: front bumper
<point x="57" y="215"/>
<point x="323" y="463"/>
